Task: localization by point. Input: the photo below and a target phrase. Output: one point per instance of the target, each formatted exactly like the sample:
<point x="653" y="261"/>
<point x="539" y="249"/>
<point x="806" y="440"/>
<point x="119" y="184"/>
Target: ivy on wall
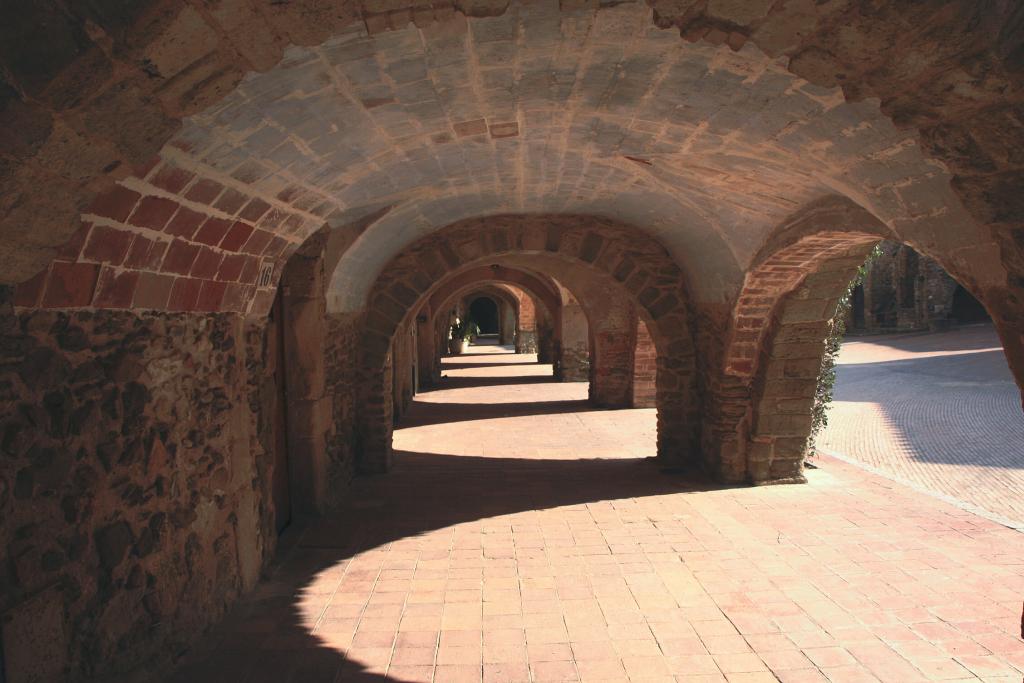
<point x="834" y="341"/>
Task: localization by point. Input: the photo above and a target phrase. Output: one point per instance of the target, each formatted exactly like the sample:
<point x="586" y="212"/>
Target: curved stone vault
<point x="233" y="233"/>
<point x="535" y="110"/>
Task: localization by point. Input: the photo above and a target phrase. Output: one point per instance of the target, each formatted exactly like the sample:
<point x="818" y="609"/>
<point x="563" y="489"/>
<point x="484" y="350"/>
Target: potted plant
<point x="462" y="332"/>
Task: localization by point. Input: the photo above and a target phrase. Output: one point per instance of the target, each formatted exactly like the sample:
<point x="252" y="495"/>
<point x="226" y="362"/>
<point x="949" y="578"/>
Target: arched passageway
<point x="930" y="385"/>
<point x="484" y="312"/>
<point x="588" y="255"/>
<point x="225" y="223"/>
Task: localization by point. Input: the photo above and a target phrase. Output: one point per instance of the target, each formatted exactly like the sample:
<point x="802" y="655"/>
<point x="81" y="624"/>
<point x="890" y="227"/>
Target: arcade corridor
<point x="524" y="537"/>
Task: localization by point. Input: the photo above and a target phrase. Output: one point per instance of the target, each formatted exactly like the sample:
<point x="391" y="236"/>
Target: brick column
<point x="574" y="357"/>
<point x="376" y="420"/>
<point x="678" y="412"/>
<point x="613" y="330"/>
<point x="645" y="368"/>
<point x="507" y="322"/>
<point x="782" y="411"/>
<point x="308" y="406"/>
<point x="526" y="327"/>
<point x="426" y="351"/>
<point x="784" y="391"/>
<point x="547" y="345"/>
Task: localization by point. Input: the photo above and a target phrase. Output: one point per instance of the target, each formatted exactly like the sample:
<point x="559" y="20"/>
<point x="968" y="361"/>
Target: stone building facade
<point x="903" y="291"/>
<point x="230" y="233"/>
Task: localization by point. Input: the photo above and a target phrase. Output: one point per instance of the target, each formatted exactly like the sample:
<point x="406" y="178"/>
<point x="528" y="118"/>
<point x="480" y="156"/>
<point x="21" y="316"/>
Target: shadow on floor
<point x="965" y="338"/>
<point x="496" y="364"/>
<point x="475" y="354"/>
<point x="959" y="409"/>
<point x="448" y="382"/>
<point x="264" y="638"/>
<point x="442" y="413"/>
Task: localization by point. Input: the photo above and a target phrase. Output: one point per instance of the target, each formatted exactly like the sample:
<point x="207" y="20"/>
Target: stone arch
<point x="92" y="91"/>
<point x="489" y="303"/>
<point x="620" y="256"/>
<point x="510" y="315"/>
<point x="464" y="297"/>
<point x="530" y="282"/>
<point x="539" y="298"/>
<point x="530" y="319"/>
<point x="78" y="77"/>
<point x="575" y="344"/>
<point x="760" y="403"/>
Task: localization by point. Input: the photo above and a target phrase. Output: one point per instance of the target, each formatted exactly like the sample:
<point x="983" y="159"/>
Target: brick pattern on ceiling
<point x="175" y="240"/>
<point x="546" y="109"/>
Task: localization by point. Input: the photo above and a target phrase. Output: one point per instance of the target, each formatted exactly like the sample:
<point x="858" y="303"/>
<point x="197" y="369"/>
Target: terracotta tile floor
<point x="940" y="411"/>
<point x="524" y="542"/>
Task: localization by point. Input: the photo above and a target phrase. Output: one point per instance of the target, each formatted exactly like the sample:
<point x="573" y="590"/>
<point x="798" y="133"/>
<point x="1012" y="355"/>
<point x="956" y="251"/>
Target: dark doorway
<point x="484" y="312"/>
<point x="967" y="309"/>
<point x="281" y="482"/>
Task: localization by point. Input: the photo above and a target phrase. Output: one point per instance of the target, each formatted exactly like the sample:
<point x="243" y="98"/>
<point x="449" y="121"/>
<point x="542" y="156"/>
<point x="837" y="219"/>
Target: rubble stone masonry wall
<point x="133" y="506"/>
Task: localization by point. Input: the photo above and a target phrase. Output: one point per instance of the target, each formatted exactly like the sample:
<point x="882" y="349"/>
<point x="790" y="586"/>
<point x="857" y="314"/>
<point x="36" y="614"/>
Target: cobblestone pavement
<point x="517" y="541"/>
<point x="938" y="411"/>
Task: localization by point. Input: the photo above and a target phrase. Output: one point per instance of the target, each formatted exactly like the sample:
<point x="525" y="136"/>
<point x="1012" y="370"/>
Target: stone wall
<point x="584" y="252"/>
<point x="508" y="323"/>
<point x="343" y="379"/>
<point x="645" y="369"/>
<point x="526" y="329"/>
<point x="133" y="484"/>
<point x="902" y="291"/>
<point x="612" y="336"/>
<point x="574" y="359"/>
<point x="403" y="353"/>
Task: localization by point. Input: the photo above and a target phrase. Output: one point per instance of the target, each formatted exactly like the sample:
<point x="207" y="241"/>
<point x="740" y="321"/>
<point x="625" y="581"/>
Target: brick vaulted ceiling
<point x="538" y="110"/>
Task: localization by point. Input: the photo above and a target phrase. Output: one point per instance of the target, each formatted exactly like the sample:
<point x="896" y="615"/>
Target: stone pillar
<point x="403" y="352"/>
<point x="308" y="404"/>
<point x="574" y="357"/>
<point x="645" y="368"/>
<point x="784" y="391"/>
<point x="376" y="420"/>
<point x="426" y="351"/>
<point x="441" y="325"/>
<point x="726" y="429"/>
<point x="506" y="322"/>
<point x="612" y="331"/>
<point x="343" y="344"/>
<point x="526" y="328"/>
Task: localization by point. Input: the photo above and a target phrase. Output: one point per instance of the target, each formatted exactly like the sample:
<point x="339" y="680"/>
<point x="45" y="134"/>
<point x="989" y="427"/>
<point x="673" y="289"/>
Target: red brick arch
<point x="534" y="284"/>
<point x="490" y="290"/>
<point x="97" y="93"/>
<point x="526" y="304"/>
<point x="620" y="256"/>
<point x="535" y="327"/>
<point x="503" y="299"/>
<point x="172" y="240"/>
<point x="537" y="296"/>
<point x="760" y="404"/>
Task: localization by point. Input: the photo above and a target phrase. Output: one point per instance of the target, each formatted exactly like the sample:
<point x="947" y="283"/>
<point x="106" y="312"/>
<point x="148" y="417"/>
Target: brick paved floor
<point x="940" y="411"/>
<point x="524" y="542"/>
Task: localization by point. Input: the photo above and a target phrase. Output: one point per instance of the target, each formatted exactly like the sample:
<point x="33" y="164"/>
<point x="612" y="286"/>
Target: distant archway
<point x="598" y="258"/>
<point x="484" y="312"/>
